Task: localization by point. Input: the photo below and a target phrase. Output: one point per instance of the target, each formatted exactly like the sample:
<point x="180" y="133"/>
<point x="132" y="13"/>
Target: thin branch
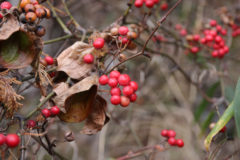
<point x="58" y="39"/>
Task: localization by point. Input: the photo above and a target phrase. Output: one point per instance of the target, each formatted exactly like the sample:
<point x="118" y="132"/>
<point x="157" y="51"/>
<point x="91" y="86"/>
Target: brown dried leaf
<point x="9" y="26"/>
<point x="98" y="117"/>
<point x="70" y="60"/>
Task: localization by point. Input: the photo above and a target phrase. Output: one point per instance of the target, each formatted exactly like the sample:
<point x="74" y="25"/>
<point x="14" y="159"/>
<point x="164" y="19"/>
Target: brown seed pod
<point x="40" y="12"/>
<point x="122" y="57"/>
<point x="31" y="17"/>
<point x="114" y="31"/>
<point x="29" y="8"/>
<point x="40" y="31"/>
<point x="24" y="3"/>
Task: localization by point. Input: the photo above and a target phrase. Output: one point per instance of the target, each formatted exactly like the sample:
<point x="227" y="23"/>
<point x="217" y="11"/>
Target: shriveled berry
<point x="31" y="17"/>
<point x="98" y="43"/>
<point x="55" y="110"/>
<point x="179" y="143"/>
<point x="171" y="133"/>
<point x="31" y="123"/>
<point x="49" y="60"/>
<point x="12" y="140"/>
<point x="164" y="133"/>
<point x="125" y="101"/>
<point x="114" y="31"/>
<point x="40" y="31"/>
<point x="133" y="97"/>
<point x="172" y="141"/>
<point x="124" y="79"/>
<point x="115" y="91"/>
<point x="2" y="139"/>
<point x="127" y="90"/>
<point x="115" y="99"/>
<point x="132" y="35"/>
<point x="48" y="13"/>
<point x="114" y="74"/>
<point x="46" y="113"/>
<point x="40" y="12"/>
<point x="6" y="5"/>
<point x="103" y="80"/>
<point x="123" y="30"/>
<point x="88" y="58"/>
<point x="112" y="82"/>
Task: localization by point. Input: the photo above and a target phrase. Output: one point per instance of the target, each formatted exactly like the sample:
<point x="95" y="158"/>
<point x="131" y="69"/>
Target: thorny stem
<point x="57" y="39"/>
<point x="64" y="27"/>
<point x="149" y="38"/>
<point x="50" y="95"/>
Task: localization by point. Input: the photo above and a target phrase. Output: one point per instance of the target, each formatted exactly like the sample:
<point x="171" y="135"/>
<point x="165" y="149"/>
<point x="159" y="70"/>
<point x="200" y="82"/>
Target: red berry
<point x="214" y="53"/>
<point x="179" y="142"/>
<point x="223" y="129"/>
<point x="1" y="16"/>
<point x="55" y="110"/>
<point x="2" y="139"/>
<point x="218" y="39"/>
<point x="178" y="26"/>
<point x="213" y="23"/>
<point x="49" y="60"/>
<point x="6" y="5"/>
<point x="221" y="52"/>
<point x="127" y="90"/>
<point x="196" y="37"/>
<point x="123" y="30"/>
<point x="164" y="133"/>
<point x="124" y="79"/>
<point x="194" y="49"/>
<point x="103" y="80"/>
<point x="172" y="141"/>
<point x="133" y="97"/>
<point x="209" y="38"/>
<point x="171" y="133"/>
<point x="183" y="32"/>
<point x="114" y="74"/>
<point x="31" y="123"/>
<point x="149" y="3"/>
<point x="116" y="91"/>
<point x="219" y="28"/>
<point x="226" y="49"/>
<point x="223" y="32"/>
<point x="124" y="40"/>
<point x="46" y="113"/>
<point x="112" y="82"/>
<point x="156" y="1"/>
<point x="88" y="58"/>
<point x="115" y="99"/>
<point x="12" y="140"/>
<point x="203" y="40"/>
<point x="134" y="85"/>
<point x="125" y="101"/>
<point x="164" y="6"/>
<point x="138" y="3"/>
<point x="98" y="43"/>
<point x="213" y="33"/>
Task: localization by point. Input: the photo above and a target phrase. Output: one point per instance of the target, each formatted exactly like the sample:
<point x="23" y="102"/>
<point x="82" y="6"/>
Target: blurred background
<point x="166" y="100"/>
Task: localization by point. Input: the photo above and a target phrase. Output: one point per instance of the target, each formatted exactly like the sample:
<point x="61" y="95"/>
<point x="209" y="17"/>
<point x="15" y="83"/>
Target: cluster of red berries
<point x="170" y="135"/>
<point x="182" y="31"/>
<point x="235" y="30"/>
<point x="158" y="38"/>
<point x="150" y="4"/>
<point x="11" y="140"/>
<point x="118" y="96"/>
<point x="53" y="111"/>
<point x="32" y="11"/>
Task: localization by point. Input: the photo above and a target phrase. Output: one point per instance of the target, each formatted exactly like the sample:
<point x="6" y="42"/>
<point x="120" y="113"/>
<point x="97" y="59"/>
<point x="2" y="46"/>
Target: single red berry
<point x="124" y="79"/>
<point x="12" y="140"/>
<point x="103" y="80"/>
<point x="123" y="30"/>
<point x="98" y="43"/>
<point x="88" y="58"/>
<point x="194" y="49"/>
<point x="115" y="99"/>
<point x="125" y="101"/>
<point x="149" y="3"/>
<point x="112" y="82"/>
<point x="6" y="5"/>
<point x="127" y="90"/>
<point x="219" y="28"/>
<point x="133" y="97"/>
<point x="116" y="91"/>
<point x="213" y="23"/>
<point x="2" y="139"/>
<point x="46" y="113"/>
<point x="223" y="32"/>
<point x="49" y="60"/>
<point x="179" y="142"/>
<point x="164" y="133"/>
<point x="1" y="16"/>
<point x="134" y="85"/>
<point x="226" y="49"/>
<point x="209" y="38"/>
<point x="138" y="3"/>
<point x="156" y="1"/>
<point x="124" y="40"/>
<point x="213" y="33"/>
<point x="178" y="27"/>
<point x="223" y="129"/>
<point x="55" y="110"/>
<point x="221" y="52"/>
<point x="218" y="39"/>
<point x="164" y="6"/>
<point x="214" y="53"/>
<point x="114" y="74"/>
<point x="171" y="133"/>
<point x="183" y="32"/>
<point x="196" y="37"/>
<point x="203" y="41"/>
<point x="172" y="141"/>
<point x="31" y="123"/>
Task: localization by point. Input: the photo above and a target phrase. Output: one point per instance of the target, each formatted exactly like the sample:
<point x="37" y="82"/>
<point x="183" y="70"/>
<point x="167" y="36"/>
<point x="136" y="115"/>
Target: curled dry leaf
<point x="18" y="48"/>
<point x="70" y="60"/>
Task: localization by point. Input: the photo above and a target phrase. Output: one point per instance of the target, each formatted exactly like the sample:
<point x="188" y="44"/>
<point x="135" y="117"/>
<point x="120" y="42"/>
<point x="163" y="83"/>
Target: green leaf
<point x="227" y="115"/>
<point x="236" y="106"/>
<point x="229" y="93"/>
